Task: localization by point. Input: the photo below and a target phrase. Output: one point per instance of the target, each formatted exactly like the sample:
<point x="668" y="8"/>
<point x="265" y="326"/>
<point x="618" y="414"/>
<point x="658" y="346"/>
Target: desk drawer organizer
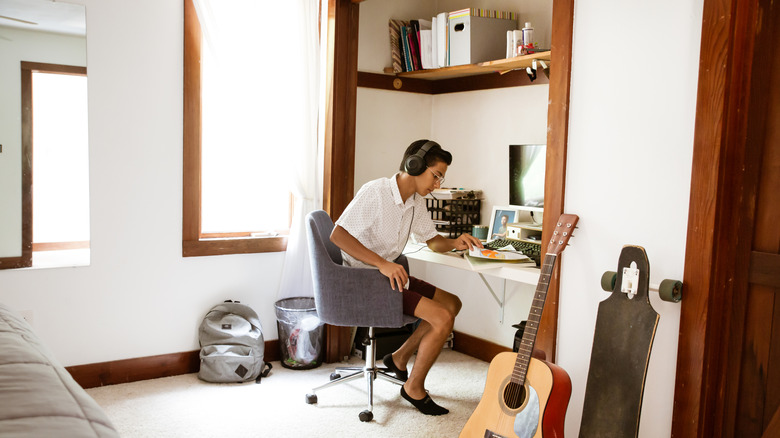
<point x="454" y="217"/>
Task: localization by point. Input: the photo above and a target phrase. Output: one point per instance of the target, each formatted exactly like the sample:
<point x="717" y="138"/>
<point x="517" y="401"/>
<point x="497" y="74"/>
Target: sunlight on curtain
<point x="254" y="99"/>
<point x="263" y="104"/>
<point x="296" y="274"/>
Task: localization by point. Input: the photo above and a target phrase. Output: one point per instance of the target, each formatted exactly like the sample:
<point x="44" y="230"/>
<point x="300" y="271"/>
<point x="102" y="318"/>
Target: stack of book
<point x="412" y="45"/>
<point x="425" y="44"/>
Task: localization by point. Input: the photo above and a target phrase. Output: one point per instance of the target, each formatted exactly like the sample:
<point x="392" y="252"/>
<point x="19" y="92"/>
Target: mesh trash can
<point x="301" y="334"/>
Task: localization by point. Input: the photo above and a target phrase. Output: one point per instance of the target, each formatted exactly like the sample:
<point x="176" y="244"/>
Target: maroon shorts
<point x="417" y="290"/>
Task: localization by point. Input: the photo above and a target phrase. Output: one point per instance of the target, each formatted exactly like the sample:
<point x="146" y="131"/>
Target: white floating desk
<point x="526" y="273"/>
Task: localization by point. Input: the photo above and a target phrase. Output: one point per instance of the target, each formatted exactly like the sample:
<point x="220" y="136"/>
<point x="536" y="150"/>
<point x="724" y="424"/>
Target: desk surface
<point x="521" y="272"/>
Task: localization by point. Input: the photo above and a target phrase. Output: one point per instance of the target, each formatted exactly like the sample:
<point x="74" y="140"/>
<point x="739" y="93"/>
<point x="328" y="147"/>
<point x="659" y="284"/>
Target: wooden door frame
<point x="339" y="156"/>
<point x="720" y="216"/>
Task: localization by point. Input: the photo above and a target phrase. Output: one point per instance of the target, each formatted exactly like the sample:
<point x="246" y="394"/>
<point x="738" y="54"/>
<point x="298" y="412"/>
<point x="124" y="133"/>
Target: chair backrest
<point x="320" y="226"/>
<point x="344" y="295"/>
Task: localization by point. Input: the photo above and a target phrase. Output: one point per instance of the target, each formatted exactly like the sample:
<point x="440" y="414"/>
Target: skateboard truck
<point x="668" y="290"/>
<point x="630" y="280"/>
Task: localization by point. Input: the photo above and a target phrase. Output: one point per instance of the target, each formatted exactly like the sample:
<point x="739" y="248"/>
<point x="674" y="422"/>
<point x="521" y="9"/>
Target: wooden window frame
<point x="195" y="243"/>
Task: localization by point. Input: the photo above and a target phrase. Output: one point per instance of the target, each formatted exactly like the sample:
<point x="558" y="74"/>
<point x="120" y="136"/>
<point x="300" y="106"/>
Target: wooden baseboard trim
<point x="174" y="364"/>
<point x="150" y="367"/>
<point x="476" y="347"/>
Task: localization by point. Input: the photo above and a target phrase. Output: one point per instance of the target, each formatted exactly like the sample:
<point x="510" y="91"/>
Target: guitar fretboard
<point x="526" y="347"/>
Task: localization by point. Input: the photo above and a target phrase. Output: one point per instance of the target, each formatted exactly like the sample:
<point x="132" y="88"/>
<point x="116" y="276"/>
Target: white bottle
<point x="528" y="38"/>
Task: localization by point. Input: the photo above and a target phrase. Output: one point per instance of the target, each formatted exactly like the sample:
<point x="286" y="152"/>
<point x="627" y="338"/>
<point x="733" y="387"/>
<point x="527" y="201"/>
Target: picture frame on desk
<point x="501" y="217"/>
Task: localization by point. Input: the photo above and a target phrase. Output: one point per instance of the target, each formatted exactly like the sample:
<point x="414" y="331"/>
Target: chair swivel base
<point x="370" y="372"/>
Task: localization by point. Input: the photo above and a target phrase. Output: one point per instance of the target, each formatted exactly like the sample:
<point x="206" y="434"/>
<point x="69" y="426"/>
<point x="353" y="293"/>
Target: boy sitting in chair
<point x="374" y="229"/>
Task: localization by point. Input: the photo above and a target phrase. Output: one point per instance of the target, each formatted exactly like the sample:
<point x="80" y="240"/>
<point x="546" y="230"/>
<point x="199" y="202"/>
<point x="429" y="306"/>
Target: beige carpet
<point x="184" y="406"/>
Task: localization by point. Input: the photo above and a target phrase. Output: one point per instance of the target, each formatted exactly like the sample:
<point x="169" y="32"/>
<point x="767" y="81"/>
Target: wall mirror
<point x="44" y="152"/>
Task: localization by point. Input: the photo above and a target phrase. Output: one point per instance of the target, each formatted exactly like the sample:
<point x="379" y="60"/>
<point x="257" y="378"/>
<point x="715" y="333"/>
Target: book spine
<point x="408" y="65"/>
<point x="414" y="44"/>
<point x="395" y="45"/>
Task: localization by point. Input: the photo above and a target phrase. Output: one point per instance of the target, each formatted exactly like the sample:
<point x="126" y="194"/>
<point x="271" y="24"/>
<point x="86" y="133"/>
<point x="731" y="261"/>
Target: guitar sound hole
<point x="514" y="395"/>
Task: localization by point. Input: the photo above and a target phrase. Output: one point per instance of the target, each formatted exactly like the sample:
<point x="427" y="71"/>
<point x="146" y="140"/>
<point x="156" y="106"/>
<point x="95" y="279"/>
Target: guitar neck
<point x="526" y="347"/>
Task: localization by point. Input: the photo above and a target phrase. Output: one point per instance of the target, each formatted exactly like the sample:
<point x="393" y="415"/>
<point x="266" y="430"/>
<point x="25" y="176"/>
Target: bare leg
<point x="431" y="343"/>
<point x="451" y="303"/>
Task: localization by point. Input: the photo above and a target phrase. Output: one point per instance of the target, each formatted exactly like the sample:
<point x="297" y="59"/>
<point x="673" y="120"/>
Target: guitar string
<point x="512" y="394"/>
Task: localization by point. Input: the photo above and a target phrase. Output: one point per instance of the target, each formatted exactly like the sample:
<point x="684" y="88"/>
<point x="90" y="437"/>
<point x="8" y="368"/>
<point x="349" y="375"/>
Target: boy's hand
<point x="467" y="241"/>
<point x="396" y="273"/>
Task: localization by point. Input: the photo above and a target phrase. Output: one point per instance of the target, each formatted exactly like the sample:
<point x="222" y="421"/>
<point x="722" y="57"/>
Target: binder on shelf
<point x="426" y="44"/>
<point x="441" y="40"/>
<point x="414" y="43"/>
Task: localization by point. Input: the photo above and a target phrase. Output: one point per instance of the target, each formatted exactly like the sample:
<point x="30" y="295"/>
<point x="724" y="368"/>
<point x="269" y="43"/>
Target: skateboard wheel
<point x="608" y="280"/>
<point x="670" y="290"/>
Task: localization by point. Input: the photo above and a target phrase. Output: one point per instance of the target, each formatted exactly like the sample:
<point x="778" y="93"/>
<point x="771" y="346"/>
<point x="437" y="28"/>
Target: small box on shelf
<point x="526" y="232"/>
<point x="477" y="35"/>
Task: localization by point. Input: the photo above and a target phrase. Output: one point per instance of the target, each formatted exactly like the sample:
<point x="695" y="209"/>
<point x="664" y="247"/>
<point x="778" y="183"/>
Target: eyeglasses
<point x="437" y="178"/>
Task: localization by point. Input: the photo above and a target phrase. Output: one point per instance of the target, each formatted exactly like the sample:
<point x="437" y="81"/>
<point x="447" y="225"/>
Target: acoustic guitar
<point x="526" y="397"/>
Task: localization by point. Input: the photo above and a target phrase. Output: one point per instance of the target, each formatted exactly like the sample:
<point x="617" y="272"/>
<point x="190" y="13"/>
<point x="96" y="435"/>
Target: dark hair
<point x="435" y="153"/>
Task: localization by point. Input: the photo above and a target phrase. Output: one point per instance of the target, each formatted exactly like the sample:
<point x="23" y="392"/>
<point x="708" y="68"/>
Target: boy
<point x="373" y="231"/>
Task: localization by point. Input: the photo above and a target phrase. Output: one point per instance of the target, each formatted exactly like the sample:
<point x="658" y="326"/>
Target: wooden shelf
<point x="500" y="65"/>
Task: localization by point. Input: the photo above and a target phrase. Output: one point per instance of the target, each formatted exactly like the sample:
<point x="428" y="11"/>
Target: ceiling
<point x="44" y="15"/>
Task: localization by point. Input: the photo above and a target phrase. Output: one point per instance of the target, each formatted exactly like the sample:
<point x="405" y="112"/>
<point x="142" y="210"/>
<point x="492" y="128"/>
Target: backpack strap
<point x="265" y="372"/>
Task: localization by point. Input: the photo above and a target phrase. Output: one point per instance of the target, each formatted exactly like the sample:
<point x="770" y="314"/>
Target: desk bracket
<point x="495" y="297"/>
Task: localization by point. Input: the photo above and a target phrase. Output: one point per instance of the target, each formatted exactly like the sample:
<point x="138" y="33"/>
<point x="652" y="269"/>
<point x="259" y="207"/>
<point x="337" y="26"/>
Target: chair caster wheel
<point x="366" y="416"/>
<point x="311" y="398"/>
<point x="334" y="376"/>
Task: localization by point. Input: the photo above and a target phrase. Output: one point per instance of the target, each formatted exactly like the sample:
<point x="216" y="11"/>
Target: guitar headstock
<point x="563" y="231"/>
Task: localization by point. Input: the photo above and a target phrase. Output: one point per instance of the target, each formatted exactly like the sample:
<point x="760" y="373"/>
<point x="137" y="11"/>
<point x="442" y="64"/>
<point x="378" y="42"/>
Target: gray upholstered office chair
<point x="351" y="297"/>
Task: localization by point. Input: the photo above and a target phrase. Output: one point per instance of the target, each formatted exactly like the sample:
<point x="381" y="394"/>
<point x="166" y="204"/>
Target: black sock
<point x="427" y="406"/>
<point x="388" y="361"/>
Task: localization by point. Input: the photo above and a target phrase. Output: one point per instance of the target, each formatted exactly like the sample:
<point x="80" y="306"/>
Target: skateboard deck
<point x="625" y="328"/>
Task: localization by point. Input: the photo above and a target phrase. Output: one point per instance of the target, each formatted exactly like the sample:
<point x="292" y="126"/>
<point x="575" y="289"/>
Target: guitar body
<point x="539" y="413"/>
<point x="526" y="397"/>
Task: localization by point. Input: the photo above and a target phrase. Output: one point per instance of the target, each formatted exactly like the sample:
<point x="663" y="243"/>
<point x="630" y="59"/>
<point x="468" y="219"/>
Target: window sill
<point x="235" y="245"/>
<point x="70" y="258"/>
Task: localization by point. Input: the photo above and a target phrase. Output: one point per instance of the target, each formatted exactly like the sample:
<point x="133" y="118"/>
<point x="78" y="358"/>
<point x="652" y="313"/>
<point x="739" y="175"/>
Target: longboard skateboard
<point x="625" y="328"/>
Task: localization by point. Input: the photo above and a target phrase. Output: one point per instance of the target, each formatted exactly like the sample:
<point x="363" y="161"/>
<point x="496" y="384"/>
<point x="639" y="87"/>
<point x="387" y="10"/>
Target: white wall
<point x="33" y="47"/>
<point x="139" y="297"/>
<point x="628" y="175"/>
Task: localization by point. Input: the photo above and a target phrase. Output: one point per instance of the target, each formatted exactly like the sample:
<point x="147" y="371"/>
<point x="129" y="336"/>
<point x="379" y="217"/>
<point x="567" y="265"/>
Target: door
<point x="728" y="365"/>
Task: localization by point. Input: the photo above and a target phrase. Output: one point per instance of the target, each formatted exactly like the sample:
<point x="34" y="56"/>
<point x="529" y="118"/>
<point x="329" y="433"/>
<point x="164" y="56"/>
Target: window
<point x="60" y="162"/>
<point x="241" y="109"/>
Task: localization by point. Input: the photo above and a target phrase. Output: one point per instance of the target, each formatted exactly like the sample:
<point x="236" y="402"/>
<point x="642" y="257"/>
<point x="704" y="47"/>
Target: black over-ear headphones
<point x="415" y="164"/>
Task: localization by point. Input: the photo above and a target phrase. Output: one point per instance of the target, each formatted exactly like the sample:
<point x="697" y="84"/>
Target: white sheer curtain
<point x="307" y="185"/>
<point x="298" y="153"/>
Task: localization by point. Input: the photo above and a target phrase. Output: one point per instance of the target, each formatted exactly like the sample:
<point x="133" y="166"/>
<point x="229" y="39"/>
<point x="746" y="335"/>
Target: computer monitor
<point x="526" y="176"/>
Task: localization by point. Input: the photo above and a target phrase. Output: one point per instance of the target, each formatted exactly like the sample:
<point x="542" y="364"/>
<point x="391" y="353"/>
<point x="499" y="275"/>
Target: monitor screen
<point x="526" y="175"/>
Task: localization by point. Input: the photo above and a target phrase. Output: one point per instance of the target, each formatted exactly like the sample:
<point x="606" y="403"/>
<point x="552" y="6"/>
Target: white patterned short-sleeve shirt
<point x="379" y="219"/>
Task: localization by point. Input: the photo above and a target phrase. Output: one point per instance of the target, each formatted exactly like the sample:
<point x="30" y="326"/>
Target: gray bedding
<point x="38" y="397"/>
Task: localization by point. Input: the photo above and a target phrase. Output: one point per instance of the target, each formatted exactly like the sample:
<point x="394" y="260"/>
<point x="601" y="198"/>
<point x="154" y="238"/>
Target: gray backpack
<point x="232" y="345"/>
